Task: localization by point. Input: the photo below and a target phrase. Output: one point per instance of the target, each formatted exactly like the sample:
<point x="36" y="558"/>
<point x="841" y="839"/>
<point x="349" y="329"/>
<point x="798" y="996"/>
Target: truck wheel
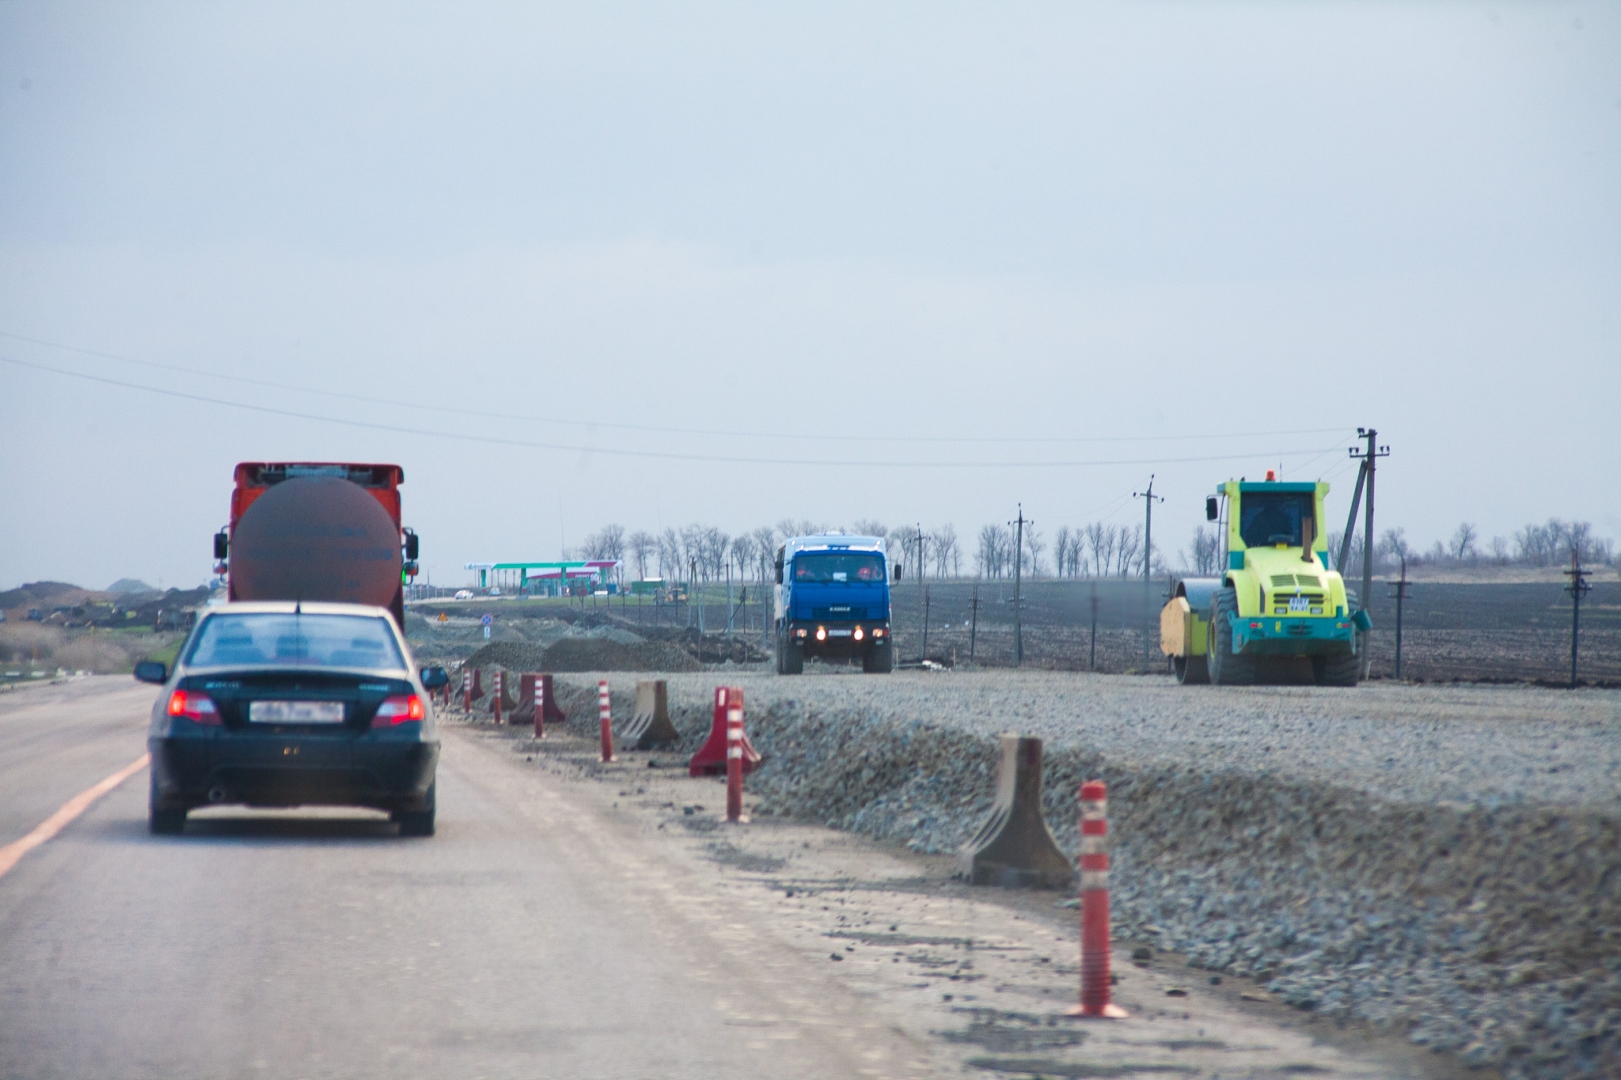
<point x="163" y="820"/>
<point x="1226" y="668"/>
<point x="1192" y="670"/>
<point x="420" y="822"/>
<point x="792" y="657"/>
<point x="1341" y="669"/>
<point x="879" y="659"/>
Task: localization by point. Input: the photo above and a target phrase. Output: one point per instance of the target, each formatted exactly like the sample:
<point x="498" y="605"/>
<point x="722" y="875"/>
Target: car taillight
<point x="198" y="708"/>
<point x="399" y="709"/>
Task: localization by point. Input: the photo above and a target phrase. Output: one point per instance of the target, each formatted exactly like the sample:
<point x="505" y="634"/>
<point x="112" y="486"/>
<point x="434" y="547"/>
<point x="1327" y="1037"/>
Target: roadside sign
<point x="487" y="620"/>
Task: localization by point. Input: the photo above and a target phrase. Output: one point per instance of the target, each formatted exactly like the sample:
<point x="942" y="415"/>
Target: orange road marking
<point x="70" y="810"/>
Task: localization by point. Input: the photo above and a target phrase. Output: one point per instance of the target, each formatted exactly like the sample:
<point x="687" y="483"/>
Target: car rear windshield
<point x="1269" y="518"/>
<point x="339" y="641"/>
<point x="839" y="567"/>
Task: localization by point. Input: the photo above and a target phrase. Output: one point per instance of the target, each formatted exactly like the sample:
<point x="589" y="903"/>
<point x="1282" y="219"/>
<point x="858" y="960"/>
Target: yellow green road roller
<point x="1276" y="596"/>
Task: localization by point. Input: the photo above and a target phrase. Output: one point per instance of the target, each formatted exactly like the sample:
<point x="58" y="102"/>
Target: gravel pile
<point x="1444" y="862"/>
<point x="584" y="653"/>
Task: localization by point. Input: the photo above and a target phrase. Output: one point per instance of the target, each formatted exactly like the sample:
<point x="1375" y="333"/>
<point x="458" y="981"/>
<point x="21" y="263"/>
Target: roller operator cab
<point x="832" y="602"/>
<point x="1276" y="596"/>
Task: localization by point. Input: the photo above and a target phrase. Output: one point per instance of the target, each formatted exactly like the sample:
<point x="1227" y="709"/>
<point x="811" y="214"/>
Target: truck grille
<point x="839" y="611"/>
<point x="1289" y="581"/>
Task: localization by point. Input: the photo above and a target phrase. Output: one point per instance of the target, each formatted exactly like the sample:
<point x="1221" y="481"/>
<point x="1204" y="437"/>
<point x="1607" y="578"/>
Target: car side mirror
<point x="897" y="572"/>
<point x="434" y="677"/>
<point x="222" y="544"/>
<point x="152" y="671"/>
<point x="411" y="546"/>
<point x="1211" y="512"/>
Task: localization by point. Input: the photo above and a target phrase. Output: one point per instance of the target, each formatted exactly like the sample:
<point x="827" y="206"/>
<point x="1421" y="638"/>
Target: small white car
<point x="464" y="594"/>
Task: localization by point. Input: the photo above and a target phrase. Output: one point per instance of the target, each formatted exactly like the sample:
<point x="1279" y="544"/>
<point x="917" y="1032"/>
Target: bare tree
<point x="765" y="548"/>
<point x="1101" y="539"/>
<point x="995" y="548"/>
<point x="1462" y="548"/>
<point x="867" y="527"/>
<point x="1499" y="548"/>
<point x="1203" y="551"/>
<point x="671" y="566"/>
<point x="641" y="546"/>
<point x="1034" y="547"/>
<point x="943" y="545"/>
<point x="1127" y="544"/>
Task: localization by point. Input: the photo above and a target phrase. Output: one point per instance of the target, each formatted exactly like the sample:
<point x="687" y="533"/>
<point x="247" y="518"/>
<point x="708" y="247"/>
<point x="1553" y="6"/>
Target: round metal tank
<point x="316" y="538"/>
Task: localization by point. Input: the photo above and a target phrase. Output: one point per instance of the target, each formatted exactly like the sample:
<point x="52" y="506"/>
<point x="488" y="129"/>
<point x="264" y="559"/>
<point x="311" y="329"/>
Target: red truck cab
<point x="324" y="540"/>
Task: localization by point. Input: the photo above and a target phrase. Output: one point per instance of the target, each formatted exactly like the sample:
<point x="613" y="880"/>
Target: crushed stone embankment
<point x="1439" y="861"/>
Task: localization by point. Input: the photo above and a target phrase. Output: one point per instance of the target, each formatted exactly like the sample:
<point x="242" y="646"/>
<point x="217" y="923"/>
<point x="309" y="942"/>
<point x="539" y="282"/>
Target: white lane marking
<point x="70" y="810"/>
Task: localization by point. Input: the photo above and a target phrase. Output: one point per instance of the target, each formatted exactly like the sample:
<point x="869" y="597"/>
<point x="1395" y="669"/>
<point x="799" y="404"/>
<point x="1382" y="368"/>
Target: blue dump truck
<point x="832" y="601"/>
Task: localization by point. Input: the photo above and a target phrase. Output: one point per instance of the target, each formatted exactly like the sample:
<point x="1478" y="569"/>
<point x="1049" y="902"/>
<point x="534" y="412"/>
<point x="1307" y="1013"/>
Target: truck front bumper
<point x="1298" y="636"/>
<point x="837" y="638"/>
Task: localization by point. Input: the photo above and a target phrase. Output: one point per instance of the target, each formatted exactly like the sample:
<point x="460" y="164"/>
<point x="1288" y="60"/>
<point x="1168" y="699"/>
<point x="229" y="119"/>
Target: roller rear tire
<point x="1341" y="669"/>
<point x="1191" y="670"/>
<point x="1226" y="668"/>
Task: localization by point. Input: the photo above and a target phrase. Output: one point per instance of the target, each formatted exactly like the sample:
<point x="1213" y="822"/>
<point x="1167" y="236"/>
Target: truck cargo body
<point x="318" y="531"/>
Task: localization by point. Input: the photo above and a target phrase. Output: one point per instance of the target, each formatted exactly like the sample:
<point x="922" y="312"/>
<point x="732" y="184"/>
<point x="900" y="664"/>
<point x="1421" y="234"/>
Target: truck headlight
<point x="858" y="635"/>
<point x="821" y="633"/>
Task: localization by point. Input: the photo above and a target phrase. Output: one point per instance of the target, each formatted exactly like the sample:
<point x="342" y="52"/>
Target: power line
<point x="497" y="440"/>
<point x="656" y="429"/>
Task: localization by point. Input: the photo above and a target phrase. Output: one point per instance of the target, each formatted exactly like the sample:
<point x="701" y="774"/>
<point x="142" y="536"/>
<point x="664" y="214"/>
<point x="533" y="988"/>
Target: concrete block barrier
<point x="1014" y="848"/>
<point x="649" y="727"/>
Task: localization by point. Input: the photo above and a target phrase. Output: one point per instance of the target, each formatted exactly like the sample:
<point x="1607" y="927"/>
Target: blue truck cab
<point x="832" y="602"/>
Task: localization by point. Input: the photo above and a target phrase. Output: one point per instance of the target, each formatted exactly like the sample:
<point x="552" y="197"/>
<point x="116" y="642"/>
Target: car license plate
<point x="296" y="712"/>
<point x="1298" y="603"/>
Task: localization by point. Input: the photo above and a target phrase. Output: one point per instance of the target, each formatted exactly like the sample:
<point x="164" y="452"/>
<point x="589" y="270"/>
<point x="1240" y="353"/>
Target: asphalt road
<point x="536" y="935"/>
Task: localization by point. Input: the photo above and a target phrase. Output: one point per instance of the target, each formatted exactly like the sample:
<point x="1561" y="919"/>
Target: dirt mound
<point x="584" y="654"/>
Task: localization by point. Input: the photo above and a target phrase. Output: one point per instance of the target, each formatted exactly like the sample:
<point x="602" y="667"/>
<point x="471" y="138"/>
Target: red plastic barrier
<point x="710" y="760"/>
<point x="734" y="760"/>
<point x="605" y="715"/>
<point x="1095" y="905"/>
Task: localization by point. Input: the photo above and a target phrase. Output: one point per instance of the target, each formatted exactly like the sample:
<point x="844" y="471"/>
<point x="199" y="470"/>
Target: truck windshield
<point x="839" y="567"/>
<point x="1268" y="518"/>
<point x="343" y="641"/>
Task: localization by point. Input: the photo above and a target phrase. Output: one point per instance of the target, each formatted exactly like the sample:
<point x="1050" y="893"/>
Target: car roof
<point x="288" y="607"/>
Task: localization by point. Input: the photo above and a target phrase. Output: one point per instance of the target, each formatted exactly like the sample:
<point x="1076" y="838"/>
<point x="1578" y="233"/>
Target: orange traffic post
<point x="1095" y="906"/>
<point x="500" y="681"/>
<point x="467" y="692"/>
<point x="605" y="715"/>
<point x="734" y="756"/>
<point x="540" y="706"/>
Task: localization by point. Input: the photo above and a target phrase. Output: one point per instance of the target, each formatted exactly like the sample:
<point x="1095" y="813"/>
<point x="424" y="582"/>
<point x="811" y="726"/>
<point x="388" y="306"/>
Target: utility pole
<point x="1369" y="458"/>
<point x="1149" y="498"/>
<point x="921" y="591"/>
<point x="925" y="622"/>
<point x="1577" y="589"/>
<point x="1400" y="595"/>
<point x="1018" y="594"/>
<point x="1092" y="663"/>
<point x="973" y="627"/>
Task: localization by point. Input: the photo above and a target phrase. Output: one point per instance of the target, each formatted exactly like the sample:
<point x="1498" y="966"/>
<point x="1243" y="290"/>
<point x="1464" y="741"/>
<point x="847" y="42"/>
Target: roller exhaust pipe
<point x="217" y="794"/>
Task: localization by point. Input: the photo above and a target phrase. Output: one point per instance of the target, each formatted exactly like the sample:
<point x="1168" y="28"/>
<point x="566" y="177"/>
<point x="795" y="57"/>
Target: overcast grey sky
<point x="1152" y="226"/>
